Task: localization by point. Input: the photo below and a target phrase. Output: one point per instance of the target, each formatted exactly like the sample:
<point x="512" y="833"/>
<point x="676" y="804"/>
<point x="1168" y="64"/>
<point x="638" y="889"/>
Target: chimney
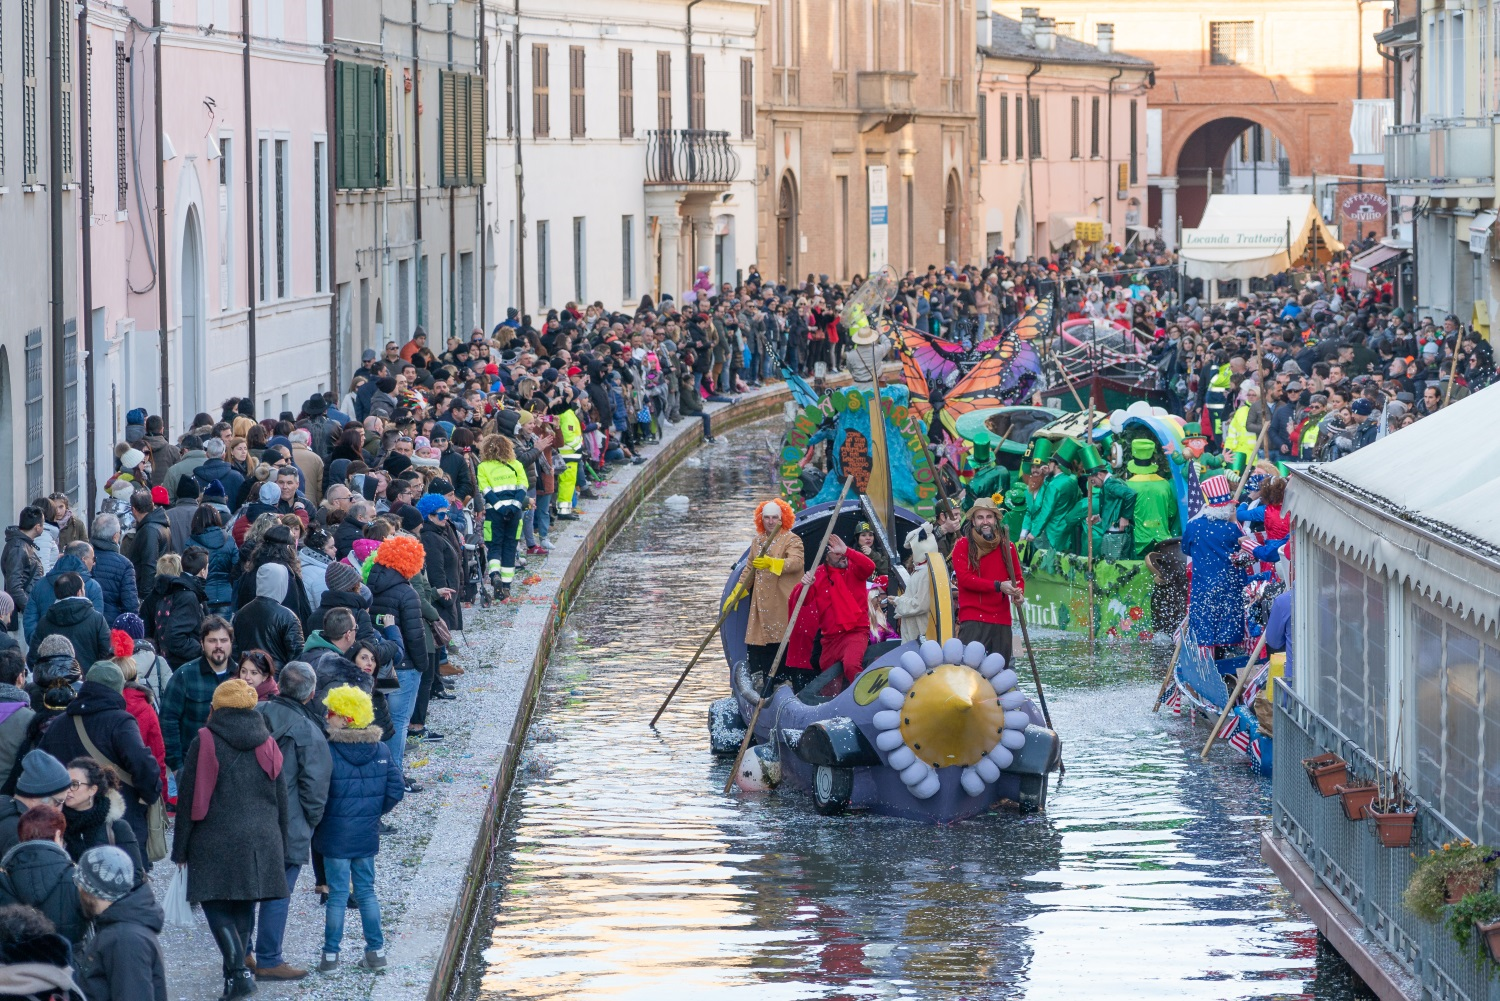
<point x="1028" y="23"/>
<point x="1106" y="42"/>
<point x="1046" y="36"/>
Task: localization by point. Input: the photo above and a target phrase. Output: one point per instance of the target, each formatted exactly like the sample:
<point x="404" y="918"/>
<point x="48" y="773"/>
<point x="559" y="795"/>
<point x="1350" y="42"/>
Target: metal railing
<point x="1348" y="860"/>
<point x="690" y="156"/>
<point x="1454" y="151"/>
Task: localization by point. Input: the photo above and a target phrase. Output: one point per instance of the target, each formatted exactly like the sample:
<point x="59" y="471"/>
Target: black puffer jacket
<point x="40" y="874"/>
<point x="394" y="595"/>
<point x="444" y="569"/>
<point x="85" y="628"/>
<point x="123" y="961"/>
<point x="116" y="577"/>
<point x="153" y="538"/>
<point x="386" y="650"/>
<point x="344" y="537"/>
<point x="267" y="624"/>
<point x="22" y="566"/>
<point x="178" y="615"/>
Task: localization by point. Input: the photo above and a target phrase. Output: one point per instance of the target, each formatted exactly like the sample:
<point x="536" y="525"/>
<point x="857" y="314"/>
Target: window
<point x="627" y="257"/>
<point x="65" y="100"/>
<point x="70" y="409"/>
<point x="1034" y="127"/>
<point x="1020" y="130"/>
<point x="403" y="299"/>
<point x="320" y="209"/>
<point x="1349" y="648"/>
<point x="122" y="174"/>
<point x="1004" y="127"/>
<point x="29" y="95"/>
<point x="1075" y="152"/>
<point x="283" y="209"/>
<point x="464" y="324"/>
<point x="747" y="98"/>
<point x="36" y="420"/>
<point x="984" y="127"/>
<point x="1231" y="43"/>
<point x="263" y="196"/>
<point x="1134" y="144"/>
<point x="510" y="91"/>
<point x="543" y="263"/>
<point x="576" y="104"/>
<point x="627" y="94"/>
<point x="697" y="106"/>
<point x="1094" y="128"/>
<point x="664" y="91"/>
<point x="541" y="120"/>
<point x="580" y="257"/>
<point x="361" y="144"/>
<point x="461" y="129"/>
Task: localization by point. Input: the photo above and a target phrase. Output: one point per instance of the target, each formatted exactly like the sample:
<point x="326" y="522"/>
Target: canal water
<point x="622" y="872"/>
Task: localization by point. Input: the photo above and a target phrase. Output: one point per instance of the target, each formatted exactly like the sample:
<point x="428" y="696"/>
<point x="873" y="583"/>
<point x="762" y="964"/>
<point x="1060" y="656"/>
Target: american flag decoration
<point x="1217" y="489"/>
<point x="1240" y="741"/>
<point x="1231" y="727"/>
<point x="1194" y="491"/>
<point x="1174" y="701"/>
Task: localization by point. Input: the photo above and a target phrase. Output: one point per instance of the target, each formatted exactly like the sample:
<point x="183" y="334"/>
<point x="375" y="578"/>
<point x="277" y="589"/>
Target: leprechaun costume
<point x="1156" y="514"/>
<point x="1050" y="518"/>
<point x="990" y="478"/>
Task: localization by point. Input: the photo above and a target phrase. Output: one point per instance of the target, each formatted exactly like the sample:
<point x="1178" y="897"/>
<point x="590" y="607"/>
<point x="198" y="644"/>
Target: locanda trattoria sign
<point x="1212" y="239"/>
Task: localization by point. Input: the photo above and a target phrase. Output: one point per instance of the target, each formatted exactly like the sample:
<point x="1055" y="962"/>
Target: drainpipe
<point x="452" y="219"/>
<point x="515" y="88"/>
<point x="55" y="208"/>
<point x="86" y="264"/>
<point x="1109" y="154"/>
<point x="161" y="224"/>
<point x="335" y="343"/>
<point x="481" y="209"/>
<point x="249" y="143"/>
<point x="416" y="91"/>
<point x="1030" y="174"/>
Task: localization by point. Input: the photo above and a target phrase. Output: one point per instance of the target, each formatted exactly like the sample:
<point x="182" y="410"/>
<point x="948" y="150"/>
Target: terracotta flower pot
<point x="1394" y="828"/>
<point x="1459" y="885"/>
<point x="1490" y="933"/>
<point x="1326" y="772"/>
<point x="1357" y="797"/>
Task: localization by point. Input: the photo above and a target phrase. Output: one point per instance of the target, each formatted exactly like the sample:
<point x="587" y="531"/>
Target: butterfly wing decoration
<point x="801" y="391"/>
<point x="1009" y="370"/>
<point x="925" y="360"/>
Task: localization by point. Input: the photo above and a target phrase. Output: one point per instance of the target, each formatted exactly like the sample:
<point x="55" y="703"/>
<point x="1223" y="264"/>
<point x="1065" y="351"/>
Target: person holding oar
<point x="769" y="580"/>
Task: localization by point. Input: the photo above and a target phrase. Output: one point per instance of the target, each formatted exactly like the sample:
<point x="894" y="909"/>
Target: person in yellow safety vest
<point x="571" y="429"/>
<point x="1237" y="434"/>
<point x="1216" y="398"/>
<point x="502" y="485"/>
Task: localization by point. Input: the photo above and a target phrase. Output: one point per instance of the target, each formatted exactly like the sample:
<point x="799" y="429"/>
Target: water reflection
<point x="622" y="873"/>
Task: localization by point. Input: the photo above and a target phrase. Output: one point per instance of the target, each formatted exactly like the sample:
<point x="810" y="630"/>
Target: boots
<point x="239" y="982"/>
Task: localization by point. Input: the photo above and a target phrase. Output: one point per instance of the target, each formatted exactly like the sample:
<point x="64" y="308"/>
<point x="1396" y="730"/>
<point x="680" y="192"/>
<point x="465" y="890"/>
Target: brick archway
<point x="1192" y="145"/>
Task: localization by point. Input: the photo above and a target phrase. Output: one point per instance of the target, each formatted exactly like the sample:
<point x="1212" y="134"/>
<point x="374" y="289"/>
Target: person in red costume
<point x="838" y="600"/>
<point x="985" y="564"/>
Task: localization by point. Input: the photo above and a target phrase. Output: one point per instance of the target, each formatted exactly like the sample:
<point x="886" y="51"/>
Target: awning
<point x="1479" y="232"/>
<point x="1064" y="228"/>
<point x="1361" y="266"/>
<point x="1253" y="236"/>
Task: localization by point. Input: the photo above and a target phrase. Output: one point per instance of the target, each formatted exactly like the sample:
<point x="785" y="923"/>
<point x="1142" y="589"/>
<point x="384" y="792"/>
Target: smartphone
<point x="385" y="620"/>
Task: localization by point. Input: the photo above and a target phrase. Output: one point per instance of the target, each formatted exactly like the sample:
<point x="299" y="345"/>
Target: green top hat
<point x="1091" y="461"/>
<point x="1068" y="451"/>
<point x="1193" y="430"/>
<point x="1238" y="462"/>
<point x="981" y="454"/>
<point x="1142" y="457"/>
<point x="1042" y="449"/>
<point x="1026" y="467"/>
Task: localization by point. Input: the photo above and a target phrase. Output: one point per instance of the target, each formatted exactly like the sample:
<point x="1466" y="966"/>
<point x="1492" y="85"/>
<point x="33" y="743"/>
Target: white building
<point x="625" y="130"/>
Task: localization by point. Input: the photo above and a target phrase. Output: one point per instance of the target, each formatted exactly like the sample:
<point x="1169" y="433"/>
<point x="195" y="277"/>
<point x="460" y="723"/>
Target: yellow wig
<point x="787" y="516"/>
<point x="352" y="704"/>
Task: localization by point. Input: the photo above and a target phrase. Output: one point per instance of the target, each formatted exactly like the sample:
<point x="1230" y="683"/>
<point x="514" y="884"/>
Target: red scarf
<point x="268" y="754"/>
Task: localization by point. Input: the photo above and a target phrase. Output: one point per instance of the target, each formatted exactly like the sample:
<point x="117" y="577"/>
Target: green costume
<point x="1113" y="501"/>
<point x="1015" y="509"/>
<point x="1051" y="516"/>
<point x="1156" y="514"/>
<point x="989" y="477"/>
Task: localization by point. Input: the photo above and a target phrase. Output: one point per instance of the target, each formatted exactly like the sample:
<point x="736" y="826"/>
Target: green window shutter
<point x="368" y="162"/>
<point x="382" y="145"/>
<point x="345" y="96"/>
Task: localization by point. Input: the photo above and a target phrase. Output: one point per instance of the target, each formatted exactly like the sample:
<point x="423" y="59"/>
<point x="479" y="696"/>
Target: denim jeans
<point x="340" y="870"/>
<point x="270" y="923"/>
<point x="543" y="516"/>
<point x="528" y="520"/>
<point x="402" y="703"/>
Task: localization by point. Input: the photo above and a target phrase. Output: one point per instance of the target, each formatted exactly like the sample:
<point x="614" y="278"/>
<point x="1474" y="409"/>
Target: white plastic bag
<point x="179" y="911"/>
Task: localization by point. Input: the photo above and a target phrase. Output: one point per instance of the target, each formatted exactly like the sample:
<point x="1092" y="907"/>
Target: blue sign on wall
<point x="879" y="215"/>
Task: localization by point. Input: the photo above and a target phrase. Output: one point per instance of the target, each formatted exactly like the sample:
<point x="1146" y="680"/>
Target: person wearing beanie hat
<point x="44" y="781"/>
<point x="130" y="462"/>
<point x="366" y="784"/>
<point x="229" y="832"/>
<point x="108" y="674"/>
<point x="399" y="559"/>
<point x="340" y="576"/>
<point x="123" y="958"/>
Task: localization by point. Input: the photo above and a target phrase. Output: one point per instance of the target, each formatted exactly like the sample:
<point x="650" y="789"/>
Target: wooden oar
<point x="833" y="517"/>
<point x="724" y="614"/>
<point x="1019" y="604"/>
<point x="1239" y="686"/>
<point x="1171" y="665"/>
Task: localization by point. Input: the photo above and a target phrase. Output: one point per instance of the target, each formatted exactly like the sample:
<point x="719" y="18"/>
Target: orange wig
<point x="787" y="516"/>
<point x="402" y="554"/>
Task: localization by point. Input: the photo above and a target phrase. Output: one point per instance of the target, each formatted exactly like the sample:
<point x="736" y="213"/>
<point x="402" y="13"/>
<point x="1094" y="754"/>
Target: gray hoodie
<point x="272" y="581"/>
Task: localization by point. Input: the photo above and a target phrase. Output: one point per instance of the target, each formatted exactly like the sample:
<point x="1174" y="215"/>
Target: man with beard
<point x="838" y="601"/>
<point x="984" y="564"/>
<point x="189" y="695"/>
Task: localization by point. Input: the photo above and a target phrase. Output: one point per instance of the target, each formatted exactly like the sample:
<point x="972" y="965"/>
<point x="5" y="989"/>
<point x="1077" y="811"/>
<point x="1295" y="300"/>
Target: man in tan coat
<point x="768" y="579"/>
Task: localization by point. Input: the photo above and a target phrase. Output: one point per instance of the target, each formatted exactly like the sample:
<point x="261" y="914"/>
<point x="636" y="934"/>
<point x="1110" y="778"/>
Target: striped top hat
<point x="1217" y="490"/>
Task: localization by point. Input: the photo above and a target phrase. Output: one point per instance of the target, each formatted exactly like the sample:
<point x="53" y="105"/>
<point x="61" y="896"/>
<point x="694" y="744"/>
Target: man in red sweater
<point x="838" y="600"/>
<point x="985" y="566"/>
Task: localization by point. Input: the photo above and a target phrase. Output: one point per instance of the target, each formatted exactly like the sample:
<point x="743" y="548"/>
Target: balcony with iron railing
<point x="1348" y="861"/>
<point x="1447" y="158"/>
<point x="690" y="158"/>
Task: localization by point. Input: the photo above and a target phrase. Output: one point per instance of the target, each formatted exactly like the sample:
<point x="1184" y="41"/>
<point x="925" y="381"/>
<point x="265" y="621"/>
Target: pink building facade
<point x="1062" y="138"/>
<point x="207" y="271"/>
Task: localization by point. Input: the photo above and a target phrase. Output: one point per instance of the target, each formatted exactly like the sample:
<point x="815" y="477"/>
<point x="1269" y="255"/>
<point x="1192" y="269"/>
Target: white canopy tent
<point x="1252" y="236"/>
<point x="1418" y="505"/>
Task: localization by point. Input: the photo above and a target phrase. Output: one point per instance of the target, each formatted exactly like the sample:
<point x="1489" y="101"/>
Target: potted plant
<point x="1446" y="876"/>
<point x="1357" y="794"/>
<point x="1326" y="772"/>
<point x="1477" y="912"/>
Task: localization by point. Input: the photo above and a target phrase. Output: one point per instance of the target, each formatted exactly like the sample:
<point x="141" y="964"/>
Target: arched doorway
<point x="1230" y="155"/>
<point x="952" y="221"/>
<point x="192" y="308"/>
<point x="786" y="228"/>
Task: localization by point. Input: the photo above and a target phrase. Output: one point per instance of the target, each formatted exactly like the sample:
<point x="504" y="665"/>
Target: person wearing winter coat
<point x="443" y="566"/>
<point x="21" y="560"/>
<point x="223" y="559"/>
<point x="99" y="709"/>
<point x="365" y="785"/>
<point x="95" y="812"/>
<point x="141" y="700"/>
<point x="182" y="608"/>
<point x="16" y="713"/>
<point x="180" y="513"/>
<point x="153" y="538"/>
<point x="42" y="780"/>
<point x="122" y="959"/>
<point x="399" y="559"/>
<point x="352" y="528"/>
<point x="216" y="469"/>
<point x="232" y="824"/>
<point x="115" y="573"/>
<point x="73" y="617"/>
<point x="188" y="698"/>
<point x="38" y="872"/>
<point x="307" y="766"/>
<point x="79" y="559"/>
<point x="264" y="623"/>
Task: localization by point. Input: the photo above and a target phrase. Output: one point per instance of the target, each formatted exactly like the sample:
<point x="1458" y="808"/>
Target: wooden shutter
<point x="747" y="98"/>
<point x="577" y="124"/>
<point x="478" y="130"/>
<point x="541" y="116"/>
<point x="697" y="106"/>
<point x="382" y="127"/>
<point x="344" y="100"/>
<point x="627" y="94"/>
<point x="367" y="131"/>
<point x="664" y="91"/>
<point x="447" y="85"/>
